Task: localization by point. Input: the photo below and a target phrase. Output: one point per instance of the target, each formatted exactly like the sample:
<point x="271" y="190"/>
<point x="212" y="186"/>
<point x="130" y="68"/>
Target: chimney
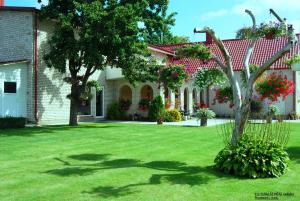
<point x="209" y="39"/>
<point x="1" y="3"/>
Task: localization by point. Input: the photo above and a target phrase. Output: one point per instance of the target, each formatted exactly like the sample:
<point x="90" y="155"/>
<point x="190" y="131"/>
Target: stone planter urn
<point x="203" y="121"/>
<point x="160" y="121"/>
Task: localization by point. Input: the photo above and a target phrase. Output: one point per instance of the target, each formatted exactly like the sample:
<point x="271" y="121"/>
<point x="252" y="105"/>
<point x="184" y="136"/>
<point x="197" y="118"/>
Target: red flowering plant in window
<point x="201" y="105"/>
<point x="273" y="86"/>
<point x="144" y="104"/>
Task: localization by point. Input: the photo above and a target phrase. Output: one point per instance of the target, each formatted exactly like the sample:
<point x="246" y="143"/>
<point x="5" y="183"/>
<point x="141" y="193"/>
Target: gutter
<point x="35" y="66"/>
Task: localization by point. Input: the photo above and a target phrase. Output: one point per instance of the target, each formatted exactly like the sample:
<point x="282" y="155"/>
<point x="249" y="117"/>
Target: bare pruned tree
<point x="242" y="105"/>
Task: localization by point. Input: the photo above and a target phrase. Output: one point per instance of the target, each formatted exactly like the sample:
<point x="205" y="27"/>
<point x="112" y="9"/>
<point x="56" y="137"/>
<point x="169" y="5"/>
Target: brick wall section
<point x="53" y="106"/>
<point x="16" y="43"/>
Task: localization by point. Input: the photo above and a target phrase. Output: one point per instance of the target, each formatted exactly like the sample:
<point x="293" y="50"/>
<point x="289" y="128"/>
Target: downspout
<point x="36" y="68"/>
<point x="294" y="98"/>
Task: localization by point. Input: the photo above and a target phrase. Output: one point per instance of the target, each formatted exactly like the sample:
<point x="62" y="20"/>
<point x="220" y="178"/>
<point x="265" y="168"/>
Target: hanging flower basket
<point x="273" y="86"/>
<point x="224" y="95"/>
<point x="270" y="36"/>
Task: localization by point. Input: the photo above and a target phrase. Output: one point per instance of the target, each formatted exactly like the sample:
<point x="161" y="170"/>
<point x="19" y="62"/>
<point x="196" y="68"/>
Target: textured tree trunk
<point x="73" y="112"/>
<point x="74" y="104"/>
<point x="241" y="118"/>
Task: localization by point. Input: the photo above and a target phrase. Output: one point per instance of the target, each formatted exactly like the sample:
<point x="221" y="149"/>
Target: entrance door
<point x="13" y="86"/>
<point x="100" y="104"/>
<point x="9" y="99"/>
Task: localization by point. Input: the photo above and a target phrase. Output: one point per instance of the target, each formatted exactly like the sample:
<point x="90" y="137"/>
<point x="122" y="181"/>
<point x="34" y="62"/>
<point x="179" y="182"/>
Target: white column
<point x="162" y="94"/>
<point x="190" y="101"/>
<point x="172" y="99"/>
<point x="93" y="102"/>
<point x="181" y="98"/>
<point x="297" y="101"/>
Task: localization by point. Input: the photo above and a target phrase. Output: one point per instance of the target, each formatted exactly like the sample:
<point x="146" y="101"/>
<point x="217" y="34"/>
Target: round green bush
<point x="173" y="116"/>
<point x="253" y="159"/>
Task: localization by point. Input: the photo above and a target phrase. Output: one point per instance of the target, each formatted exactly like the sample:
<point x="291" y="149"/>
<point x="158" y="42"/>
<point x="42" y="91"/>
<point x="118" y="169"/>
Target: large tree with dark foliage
<point x="92" y="34"/>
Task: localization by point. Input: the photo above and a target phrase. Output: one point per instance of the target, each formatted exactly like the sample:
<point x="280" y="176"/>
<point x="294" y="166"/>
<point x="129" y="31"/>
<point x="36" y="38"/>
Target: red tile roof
<point x="263" y="50"/>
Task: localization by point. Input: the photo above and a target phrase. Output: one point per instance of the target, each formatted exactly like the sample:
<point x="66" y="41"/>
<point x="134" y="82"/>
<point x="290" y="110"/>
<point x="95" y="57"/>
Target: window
<point x="125" y="93"/>
<point x="147" y="92"/>
<point x="10" y="87"/>
<point x="84" y="107"/>
<point x="99" y="104"/>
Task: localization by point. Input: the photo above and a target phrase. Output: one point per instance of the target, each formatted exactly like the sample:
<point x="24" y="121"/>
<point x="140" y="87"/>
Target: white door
<point x="13" y="89"/>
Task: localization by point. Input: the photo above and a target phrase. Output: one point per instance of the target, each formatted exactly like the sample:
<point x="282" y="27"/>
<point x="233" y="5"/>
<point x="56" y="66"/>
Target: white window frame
<point x="103" y="92"/>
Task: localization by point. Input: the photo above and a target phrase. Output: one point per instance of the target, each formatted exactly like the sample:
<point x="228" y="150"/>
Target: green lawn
<point x="108" y="161"/>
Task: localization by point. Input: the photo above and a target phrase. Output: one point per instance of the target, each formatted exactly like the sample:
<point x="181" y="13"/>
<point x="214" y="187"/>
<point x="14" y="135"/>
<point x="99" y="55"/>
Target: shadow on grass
<point x="89" y="157"/>
<point x="171" y="172"/>
<point x="28" y="132"/>
<point x="294" y="153"/>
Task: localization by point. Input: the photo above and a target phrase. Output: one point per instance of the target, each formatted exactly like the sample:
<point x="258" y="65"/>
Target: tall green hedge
<point x="12" y="122"/>
<point x="156" y="108"/>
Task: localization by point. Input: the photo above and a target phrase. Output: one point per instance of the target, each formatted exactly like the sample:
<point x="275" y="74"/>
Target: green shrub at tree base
<point x="12" y="122"/>
<point x="156" y="108"/>
<point x="173" y="116"/>
<point x="253" y="159"/>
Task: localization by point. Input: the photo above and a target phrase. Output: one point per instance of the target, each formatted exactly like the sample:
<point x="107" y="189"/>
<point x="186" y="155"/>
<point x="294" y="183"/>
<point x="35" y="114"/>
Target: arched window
<point x="125" y="93"/>
<point x="147" y="92"/>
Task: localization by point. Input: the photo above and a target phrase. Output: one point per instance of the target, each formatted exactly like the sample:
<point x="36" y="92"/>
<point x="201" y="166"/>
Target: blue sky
<point x="225" y="17"/>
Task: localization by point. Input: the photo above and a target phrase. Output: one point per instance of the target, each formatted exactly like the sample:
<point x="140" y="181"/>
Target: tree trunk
<point x="241" y="118"/>
<point x="74" y="104"/>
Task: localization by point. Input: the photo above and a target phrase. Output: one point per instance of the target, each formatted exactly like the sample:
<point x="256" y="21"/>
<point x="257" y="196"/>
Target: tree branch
<point x="228" y="67"/>
<point x="269" y="62"/>
<point x="277" y="16"/>
<point x="251" y="46"/>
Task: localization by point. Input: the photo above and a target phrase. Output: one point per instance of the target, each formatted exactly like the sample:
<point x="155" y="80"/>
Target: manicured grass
<point x="108" y="161"/>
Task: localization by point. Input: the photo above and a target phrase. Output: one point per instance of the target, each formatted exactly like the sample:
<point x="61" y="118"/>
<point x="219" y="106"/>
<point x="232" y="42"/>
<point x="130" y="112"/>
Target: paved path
<point x="194" y="122"/>
<point x="190" y="122"/>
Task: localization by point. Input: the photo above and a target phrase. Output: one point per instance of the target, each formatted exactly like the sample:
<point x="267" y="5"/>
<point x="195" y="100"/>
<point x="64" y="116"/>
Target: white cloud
<point x="257" y="7"/>
<point x="214" y="14"/>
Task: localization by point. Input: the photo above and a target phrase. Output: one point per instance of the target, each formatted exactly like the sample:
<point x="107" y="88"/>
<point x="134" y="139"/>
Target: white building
<point x="30" y="89"/>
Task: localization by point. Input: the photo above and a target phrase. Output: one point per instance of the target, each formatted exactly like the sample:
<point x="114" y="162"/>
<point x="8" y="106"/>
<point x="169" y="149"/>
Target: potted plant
<point x="293" y="115"/>
<point x="203" y="114"/>
<point x="273" y="110"/>
<point x="224" y="95"/>
<point x="293" y="62"/>
<point x="271" y="30"/>
<point x="273" y="86"/>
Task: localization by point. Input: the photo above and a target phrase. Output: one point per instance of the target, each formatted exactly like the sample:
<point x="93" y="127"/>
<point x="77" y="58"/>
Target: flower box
<point x="296" y="66"/>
